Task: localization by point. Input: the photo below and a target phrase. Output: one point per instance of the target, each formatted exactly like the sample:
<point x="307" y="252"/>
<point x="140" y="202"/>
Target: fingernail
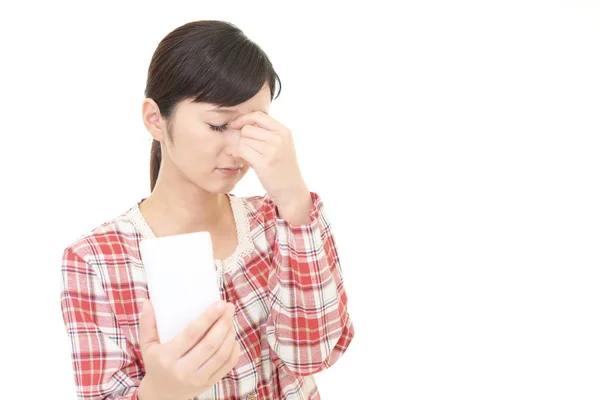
<point x="219" y="306"/>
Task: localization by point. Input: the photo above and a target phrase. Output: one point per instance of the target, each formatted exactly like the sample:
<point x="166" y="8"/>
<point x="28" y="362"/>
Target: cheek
<point x="203" y="142"/>
<point x="202" y="152"/>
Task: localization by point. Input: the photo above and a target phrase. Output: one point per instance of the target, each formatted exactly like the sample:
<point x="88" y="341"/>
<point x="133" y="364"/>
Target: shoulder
<point x="109" y="240"/>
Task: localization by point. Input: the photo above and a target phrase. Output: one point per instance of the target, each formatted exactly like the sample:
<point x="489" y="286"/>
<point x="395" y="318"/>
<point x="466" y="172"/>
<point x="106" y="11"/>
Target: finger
<point x="255" y="132"/>
<point x="227" y="366"/>
<point x="248" y="154"/>
<point x="258" y="146"/>
<point x="196" y="330"/>
<point x="218" y="359"/>
<point x="148" y="330"/>
<point x="259" y="118"/>
<point x="210" y="343"/>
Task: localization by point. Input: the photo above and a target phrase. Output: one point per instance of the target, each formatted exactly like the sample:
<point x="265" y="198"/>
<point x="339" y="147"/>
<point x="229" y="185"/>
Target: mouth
<point x="230" y="171"/>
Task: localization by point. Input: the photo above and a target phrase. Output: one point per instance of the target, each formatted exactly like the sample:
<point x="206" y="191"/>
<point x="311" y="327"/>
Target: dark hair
<point x="208" y="61"/>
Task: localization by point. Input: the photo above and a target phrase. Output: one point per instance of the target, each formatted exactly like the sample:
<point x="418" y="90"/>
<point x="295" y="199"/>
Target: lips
<point x="230" y="171"/>
<point x="232" y="168"/>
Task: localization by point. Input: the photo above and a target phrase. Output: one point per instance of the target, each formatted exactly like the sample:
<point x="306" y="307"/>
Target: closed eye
<point x="218" y="128"/>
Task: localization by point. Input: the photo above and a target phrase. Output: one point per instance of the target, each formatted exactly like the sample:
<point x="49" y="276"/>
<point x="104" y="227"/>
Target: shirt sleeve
<point x="308" y="327"/>
<point x="103" y="362"/>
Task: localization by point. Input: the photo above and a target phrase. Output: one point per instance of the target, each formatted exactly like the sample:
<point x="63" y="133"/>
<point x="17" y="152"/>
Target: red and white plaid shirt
<point x="291" y="314"/>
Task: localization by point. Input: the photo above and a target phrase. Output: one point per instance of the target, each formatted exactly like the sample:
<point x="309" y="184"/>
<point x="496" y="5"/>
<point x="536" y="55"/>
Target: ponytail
<point x="155" y="158"/>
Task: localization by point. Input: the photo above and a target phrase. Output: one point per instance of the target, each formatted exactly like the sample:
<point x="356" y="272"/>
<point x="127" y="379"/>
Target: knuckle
<point x="200" y="380"/>
<point x="196" y="380"/>
<point x="180" y="376"/>
<point x="191" y="334"/>
<point x="224" y="325"/>
<point x="221" y="356"/>
<point x="164" y="361"/>
<point x="211" y="346"/>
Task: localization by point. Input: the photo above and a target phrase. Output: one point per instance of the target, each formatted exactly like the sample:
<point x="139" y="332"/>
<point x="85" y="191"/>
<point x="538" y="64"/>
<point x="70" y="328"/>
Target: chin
<point x="217" y="187"/>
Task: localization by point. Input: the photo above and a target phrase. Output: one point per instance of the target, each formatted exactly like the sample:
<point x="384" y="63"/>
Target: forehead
<point x="259" y="102"/>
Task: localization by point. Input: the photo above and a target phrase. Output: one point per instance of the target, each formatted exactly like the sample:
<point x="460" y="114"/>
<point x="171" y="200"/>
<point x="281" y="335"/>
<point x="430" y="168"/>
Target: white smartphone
<point x="181" y="278"/>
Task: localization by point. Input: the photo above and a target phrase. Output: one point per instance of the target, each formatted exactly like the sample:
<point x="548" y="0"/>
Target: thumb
<point x="148" y="331"/>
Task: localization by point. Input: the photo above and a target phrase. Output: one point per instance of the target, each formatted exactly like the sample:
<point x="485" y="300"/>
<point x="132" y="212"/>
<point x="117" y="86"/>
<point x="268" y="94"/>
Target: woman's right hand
<point x="194" y="360"/>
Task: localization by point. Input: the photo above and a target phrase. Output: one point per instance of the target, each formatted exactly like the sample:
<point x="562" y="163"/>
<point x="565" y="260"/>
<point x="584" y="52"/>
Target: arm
<point x="104" y="364"/>
<point x="309" y="327"/>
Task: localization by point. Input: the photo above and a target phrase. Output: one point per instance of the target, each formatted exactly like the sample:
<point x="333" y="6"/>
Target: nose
<point x="232" y="141"/>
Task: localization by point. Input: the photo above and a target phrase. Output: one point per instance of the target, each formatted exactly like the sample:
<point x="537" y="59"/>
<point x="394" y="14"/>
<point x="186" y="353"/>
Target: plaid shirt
<point x="291" y="316"/>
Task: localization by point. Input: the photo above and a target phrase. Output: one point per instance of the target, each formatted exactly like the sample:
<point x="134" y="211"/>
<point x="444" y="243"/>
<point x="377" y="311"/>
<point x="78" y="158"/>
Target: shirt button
<point x="251" y="396"/>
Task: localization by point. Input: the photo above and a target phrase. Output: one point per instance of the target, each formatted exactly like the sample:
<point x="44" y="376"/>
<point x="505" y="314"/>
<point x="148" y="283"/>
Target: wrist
<point x="292" y="195"/>
<point x="297" y="209"/>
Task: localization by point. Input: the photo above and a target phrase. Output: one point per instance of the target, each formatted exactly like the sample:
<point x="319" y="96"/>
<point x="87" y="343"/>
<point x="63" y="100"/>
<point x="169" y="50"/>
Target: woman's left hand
<point x="268" y="146"/>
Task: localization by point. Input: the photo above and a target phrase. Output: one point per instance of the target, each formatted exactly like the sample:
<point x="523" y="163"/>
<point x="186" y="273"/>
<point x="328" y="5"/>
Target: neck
<point x="182" y="207"/>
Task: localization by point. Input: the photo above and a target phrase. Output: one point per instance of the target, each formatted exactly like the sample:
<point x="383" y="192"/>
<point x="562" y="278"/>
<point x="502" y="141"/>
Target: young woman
<point x="283" y="314"/>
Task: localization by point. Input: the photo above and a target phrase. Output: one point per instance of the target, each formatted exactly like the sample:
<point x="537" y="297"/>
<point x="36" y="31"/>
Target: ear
<point x="152" y="119"/>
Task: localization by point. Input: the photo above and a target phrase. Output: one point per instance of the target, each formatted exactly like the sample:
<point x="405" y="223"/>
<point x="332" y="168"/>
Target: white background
<point x="455" y="144"/>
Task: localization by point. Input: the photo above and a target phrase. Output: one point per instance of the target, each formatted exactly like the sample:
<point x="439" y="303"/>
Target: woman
<point x="283" y="315"/>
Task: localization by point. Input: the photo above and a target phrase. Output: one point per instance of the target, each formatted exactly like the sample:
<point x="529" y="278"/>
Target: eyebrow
<point x="222" y="110"/>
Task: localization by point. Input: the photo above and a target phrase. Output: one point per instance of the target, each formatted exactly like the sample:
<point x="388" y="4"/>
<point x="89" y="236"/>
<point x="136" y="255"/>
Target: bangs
<point x="240" y="74"/>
